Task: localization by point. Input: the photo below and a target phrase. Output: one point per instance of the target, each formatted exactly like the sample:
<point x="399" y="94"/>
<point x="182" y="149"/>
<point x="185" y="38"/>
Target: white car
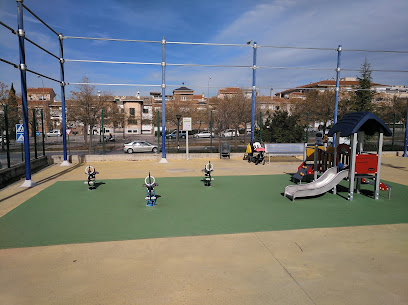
<point x="204" y="134"/>
<point x="229" y="133"/>
<point x="54" y="133"/>
<point x="139" y="146"/>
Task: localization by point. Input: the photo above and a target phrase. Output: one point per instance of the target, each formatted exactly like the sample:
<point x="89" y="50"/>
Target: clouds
<point x="365" y="24"/>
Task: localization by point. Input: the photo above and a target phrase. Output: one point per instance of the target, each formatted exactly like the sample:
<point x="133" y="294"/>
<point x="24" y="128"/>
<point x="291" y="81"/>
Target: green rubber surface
<point x="67" y="212"/>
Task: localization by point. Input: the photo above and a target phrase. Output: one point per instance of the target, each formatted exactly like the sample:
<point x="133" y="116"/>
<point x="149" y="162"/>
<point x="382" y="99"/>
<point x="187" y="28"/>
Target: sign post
<point x="19" y="133"/>
<point x="187" y="128"/>
<point x="68" y="131"/>
<point x="20" y="138"/>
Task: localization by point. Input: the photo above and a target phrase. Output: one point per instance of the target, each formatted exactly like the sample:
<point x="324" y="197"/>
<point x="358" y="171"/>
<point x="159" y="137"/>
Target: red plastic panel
<point x="366" y="164"/>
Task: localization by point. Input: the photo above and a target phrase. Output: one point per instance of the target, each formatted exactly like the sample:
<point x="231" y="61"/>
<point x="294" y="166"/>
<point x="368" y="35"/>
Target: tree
<point x="320" y="106"/>
<point x="363" y="96"/>
<point x="386" y="110"/>
<point x="282" y="128"/>
<point x="12" y="110"/>
<point x="85" y="107"/>
<point x="241" y="110"/>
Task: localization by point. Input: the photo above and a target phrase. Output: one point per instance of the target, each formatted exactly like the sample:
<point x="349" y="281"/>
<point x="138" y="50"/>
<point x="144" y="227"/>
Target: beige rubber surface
<point x="353" y="265"/>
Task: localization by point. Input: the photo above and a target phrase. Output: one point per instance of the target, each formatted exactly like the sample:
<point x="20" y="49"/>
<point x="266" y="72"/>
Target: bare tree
<point x="320" y="106"/>
<point x="85" y="107"/>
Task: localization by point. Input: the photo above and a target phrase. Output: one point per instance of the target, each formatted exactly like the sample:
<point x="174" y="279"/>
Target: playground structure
<point x="91" y="172"/>
<point x="350" y="162"/>
<point x="207" y="174"/>
<point x="150" y="183"/>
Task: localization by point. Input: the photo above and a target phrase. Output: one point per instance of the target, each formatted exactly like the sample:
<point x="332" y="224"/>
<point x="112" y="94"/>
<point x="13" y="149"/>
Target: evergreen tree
<point x="362" y="99"/>
<point x="12" y="110"/>
<point x="282" y="128"/>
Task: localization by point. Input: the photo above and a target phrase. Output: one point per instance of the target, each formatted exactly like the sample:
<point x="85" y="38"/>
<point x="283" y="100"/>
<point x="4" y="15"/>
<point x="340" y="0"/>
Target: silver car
<point x="139" y="146"/>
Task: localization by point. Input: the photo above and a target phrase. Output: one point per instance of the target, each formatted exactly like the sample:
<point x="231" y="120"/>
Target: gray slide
<point x="323" y="184"/>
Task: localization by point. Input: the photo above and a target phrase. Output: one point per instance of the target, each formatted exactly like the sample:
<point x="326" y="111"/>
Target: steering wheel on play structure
<point x="89" y="170"/>
<point x="343" y="150"/>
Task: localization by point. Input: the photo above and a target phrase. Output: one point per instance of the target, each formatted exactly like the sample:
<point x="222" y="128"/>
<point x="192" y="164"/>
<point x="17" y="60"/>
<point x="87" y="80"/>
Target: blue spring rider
<point x="150" y="183"/>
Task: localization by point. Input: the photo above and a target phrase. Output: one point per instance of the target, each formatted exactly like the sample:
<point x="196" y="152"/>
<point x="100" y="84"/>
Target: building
<point x="183" y="94"/>
<point x="346" y="84"/>
<point x="37" y="95"/>
<point x="43" y="98"/>
<point x="139" y="113"/>
<point x="229" y="92"/>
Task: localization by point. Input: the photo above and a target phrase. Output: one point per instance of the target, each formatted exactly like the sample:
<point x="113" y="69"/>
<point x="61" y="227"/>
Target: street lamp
<point x="100" y="131"/>
<point x="43" y="99"/>
<point x="208" y="90"/>
<point x="178" y="116"/>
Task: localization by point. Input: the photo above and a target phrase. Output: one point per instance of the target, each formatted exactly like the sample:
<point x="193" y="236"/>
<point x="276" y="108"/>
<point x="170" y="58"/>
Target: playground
<point x="110" y="233"/>
<point x="228" y="243"/>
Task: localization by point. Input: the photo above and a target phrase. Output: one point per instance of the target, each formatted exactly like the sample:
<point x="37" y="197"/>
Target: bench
<point x="225" y="150"/>
<point x="284" y="149"/>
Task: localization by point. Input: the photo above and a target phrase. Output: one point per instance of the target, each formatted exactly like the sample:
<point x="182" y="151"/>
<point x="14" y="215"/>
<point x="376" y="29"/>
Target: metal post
<point x="43" y="99"/>
<point x="43" y="131"/>
<point x="260" y="127"/>
<point x="35" y="134"/>
<point x="163" y="86"/>
<point x="158" y="130"/>
<point x="336" y="99"/>
<point x="103" y="136"/>
<point x="406" y="134"/>
<point x="378" y="174"/>
<point x="393" y="132"/>
<point x="211" y="137"/>
<point x="64" y="123"/>
<point x="352" y="165"/>
<point x="315" y="165"/>
<point x="178" y="116"/>
<point x="307" y="127"/>
<point x="7" y="135"/>
<point x="23" y="76"/>
<point x="253" y="91"/>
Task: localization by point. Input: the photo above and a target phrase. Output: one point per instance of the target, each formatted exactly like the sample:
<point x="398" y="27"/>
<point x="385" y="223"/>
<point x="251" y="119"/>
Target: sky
<point x="363" y="24"/>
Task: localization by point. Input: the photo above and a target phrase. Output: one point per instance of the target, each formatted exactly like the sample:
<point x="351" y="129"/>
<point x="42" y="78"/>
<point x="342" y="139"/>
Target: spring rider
<point x="150" y="183"/>
<point x="91" y="172"/>
<point x="207" y="174"/>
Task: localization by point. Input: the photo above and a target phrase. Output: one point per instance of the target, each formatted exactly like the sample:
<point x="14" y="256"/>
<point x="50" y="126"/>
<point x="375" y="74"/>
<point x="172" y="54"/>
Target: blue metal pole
<point x="336" y="99"/>
<point x="62" y="77"/>
<point x="406" y="134"/>
<point x="163" y="86"/>
<point x="23" y="76"/>
<point x="253" y="91"/>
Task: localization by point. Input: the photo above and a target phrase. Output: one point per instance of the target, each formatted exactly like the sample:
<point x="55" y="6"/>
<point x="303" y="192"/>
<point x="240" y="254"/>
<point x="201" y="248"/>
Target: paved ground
<point x="352" y="265"/>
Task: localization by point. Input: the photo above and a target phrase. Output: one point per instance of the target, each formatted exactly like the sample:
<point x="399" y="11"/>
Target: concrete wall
<point x="8" y="175"/>
<point x="157" y="157"/>
<point x="139" y="157"/>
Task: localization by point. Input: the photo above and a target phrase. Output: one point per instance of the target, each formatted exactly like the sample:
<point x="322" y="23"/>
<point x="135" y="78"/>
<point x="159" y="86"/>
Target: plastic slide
<point x="323" y="184"/>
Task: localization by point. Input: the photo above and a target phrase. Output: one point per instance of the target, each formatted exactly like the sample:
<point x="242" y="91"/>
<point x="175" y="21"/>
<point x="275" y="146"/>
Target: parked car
<point x="3" y="139"/>
<point x="139" y="146"/>
<point x="173" y="135"/>
<point x="54" y="133"/>
<point x="229" y="133"/>
<point x="204" y="134"/>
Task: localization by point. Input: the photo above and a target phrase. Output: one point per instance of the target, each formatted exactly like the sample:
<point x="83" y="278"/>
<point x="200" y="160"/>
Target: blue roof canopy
<point x="360" y="121"/>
